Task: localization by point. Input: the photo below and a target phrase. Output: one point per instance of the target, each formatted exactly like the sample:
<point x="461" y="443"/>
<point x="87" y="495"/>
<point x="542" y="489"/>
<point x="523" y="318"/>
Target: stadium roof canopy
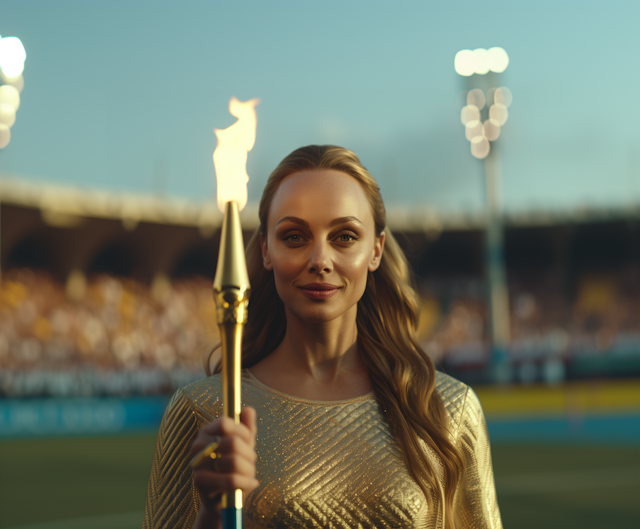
<point x="66" y="206"/>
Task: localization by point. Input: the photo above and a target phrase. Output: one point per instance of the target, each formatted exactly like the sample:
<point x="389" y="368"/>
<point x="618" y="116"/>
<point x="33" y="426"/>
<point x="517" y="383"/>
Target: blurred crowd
<point x="108" y="335"/>
<point x="593" y="326"/>
<point x="102" y="336"/>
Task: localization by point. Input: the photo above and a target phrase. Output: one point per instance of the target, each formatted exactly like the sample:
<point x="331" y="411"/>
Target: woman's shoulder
<point x="460" y="401"/>
<point x="204" y="397"/>
<point x="453" y="394"/>
<point x="203" y="387"/>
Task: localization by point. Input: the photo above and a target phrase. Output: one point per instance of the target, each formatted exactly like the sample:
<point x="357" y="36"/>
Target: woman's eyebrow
<point x="344" y="220"/>
<point x="334" y="222"/>
<point x="295" y="220"/>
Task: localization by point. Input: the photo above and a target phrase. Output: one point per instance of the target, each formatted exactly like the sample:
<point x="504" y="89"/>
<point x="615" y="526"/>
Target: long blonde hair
<point x="402" y="375"/>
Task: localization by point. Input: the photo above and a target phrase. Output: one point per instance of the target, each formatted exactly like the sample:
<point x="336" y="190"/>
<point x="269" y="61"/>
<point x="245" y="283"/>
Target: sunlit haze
<point x="124" y="95"/>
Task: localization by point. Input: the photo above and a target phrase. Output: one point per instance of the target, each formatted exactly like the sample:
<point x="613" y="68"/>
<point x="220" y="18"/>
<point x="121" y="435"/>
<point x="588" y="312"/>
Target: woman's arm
<point x="476" y="504"/>
<point x="181" y="498"/>
<point x="234" y="466"/>
<point x="172" y="500"/>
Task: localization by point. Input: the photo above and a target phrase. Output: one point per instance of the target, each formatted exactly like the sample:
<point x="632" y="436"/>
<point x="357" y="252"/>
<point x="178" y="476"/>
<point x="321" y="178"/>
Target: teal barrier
<point x="76" y="416"/>
<point x="103" y="416"/>
<point x="611" y="428"/>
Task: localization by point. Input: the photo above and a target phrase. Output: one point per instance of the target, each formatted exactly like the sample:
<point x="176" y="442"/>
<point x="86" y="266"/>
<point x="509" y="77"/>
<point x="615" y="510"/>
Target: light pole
<point x="12" y="57"/>
<point x="483" y="117"/>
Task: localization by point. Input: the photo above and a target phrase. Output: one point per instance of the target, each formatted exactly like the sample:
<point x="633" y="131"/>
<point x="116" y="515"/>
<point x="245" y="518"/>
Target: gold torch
<point x="231" y="284"/>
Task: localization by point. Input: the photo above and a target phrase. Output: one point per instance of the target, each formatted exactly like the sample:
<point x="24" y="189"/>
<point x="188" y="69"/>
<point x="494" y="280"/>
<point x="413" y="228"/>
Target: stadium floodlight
<point x="480" y="61"/>
<point x="497" y="60"/>
<point x="469" y="113"/>
<point x="5" y="135"/>
<point x="503" y="96"/>
<point x="9" y="95"/>
<point x="480" y="146"/>
<point x="476" y="98"/>
<point x="483" y="117"/>
<point x="491" y="129"/>
<point x="499" y="113"/>
<point x="465" y="63"/>
<point x="16" y="82"/>
<point x="7" y="114"/>
<point x="482" y="66"/>
<point x="12" y="56"/>
<point x="473" y="128"/>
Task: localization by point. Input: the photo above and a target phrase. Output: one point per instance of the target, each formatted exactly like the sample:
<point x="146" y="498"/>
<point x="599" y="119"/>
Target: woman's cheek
<point x="287" y="267"/>
<point x="357" y="265"/>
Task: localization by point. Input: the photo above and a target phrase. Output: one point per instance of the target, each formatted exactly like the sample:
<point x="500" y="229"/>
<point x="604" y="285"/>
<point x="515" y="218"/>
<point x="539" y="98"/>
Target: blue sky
<point x="124" y="95"/>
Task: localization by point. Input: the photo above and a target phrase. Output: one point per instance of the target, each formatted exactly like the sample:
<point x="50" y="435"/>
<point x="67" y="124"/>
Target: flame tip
<point x="230" y="155"/>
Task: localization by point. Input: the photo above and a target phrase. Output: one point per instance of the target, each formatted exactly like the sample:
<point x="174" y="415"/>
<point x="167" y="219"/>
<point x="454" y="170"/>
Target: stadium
<point x="91" y="278"/>
<point x="504" y="140"/>
<point x="107" y="309"/>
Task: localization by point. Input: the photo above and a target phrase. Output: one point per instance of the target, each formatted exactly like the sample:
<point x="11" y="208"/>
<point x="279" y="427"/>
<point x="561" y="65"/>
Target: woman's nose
<point x="320" y="260"/>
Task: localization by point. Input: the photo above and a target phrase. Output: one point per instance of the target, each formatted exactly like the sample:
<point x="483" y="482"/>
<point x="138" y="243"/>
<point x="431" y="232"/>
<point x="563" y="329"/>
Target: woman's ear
<point x="266" y="260"/>
<point x="376" y="255"/>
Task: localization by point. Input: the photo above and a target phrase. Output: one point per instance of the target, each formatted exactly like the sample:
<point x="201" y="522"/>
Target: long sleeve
<point x="172" y="499"/>
<point x="476" y="503"/>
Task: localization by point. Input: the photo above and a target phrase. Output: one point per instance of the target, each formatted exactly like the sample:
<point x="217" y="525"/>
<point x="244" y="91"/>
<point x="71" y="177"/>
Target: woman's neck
<point x="318" y="361"/>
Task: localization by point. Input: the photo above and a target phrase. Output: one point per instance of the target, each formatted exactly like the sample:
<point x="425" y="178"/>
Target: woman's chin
<point x="322" y="314"/>
<point x="318" y="317"/>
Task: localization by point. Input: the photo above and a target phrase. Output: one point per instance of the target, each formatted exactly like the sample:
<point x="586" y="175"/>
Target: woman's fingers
<point x="225" y="458"/>
<point x="248" y="417"/>
<point x="225" y="445"/>
<point x="228" y="435"/>
<point x="225" y="426"/>
<point x="209" y="451"/>
<point x="229" y="464"/>
<point x="212" y="482"/>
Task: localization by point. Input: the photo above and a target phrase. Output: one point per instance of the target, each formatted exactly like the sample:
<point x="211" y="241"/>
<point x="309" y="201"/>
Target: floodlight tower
<point x="483" y="116"/>
<point x="12" y="57"/>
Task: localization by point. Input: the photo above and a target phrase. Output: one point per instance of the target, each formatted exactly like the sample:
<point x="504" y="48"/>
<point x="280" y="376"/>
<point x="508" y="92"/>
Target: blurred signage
<point x="45" y="417"/>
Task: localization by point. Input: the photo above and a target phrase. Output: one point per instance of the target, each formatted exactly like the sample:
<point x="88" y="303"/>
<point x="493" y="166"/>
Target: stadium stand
<point x="117" y="337"/>
<point x="111" y="295"/>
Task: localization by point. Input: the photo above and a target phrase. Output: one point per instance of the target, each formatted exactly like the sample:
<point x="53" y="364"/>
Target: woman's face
<point x="320" y="244"/>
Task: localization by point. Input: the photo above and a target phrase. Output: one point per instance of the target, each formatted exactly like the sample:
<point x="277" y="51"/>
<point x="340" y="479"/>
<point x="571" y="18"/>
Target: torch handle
<point x="231" y="292"/>
<point x="231" y="344"/>
<point x="231" y="518"/>
<point x="231" y="339"/>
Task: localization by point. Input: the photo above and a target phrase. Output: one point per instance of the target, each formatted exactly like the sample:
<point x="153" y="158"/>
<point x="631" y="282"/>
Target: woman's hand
<point x="234" y="466"/>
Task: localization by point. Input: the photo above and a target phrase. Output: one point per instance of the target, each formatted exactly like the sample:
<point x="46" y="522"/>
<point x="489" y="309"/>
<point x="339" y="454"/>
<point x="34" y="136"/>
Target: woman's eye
<point x="293" y="238"/>
<point x="346" y="237"/>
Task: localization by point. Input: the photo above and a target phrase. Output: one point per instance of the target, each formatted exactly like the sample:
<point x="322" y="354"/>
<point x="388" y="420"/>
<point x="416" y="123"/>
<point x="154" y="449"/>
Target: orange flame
<point x="230" y="155"/>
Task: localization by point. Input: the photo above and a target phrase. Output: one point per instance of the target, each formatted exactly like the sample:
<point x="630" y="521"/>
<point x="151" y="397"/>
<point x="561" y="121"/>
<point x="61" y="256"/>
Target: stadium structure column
<point x="0" y="235"/>
<point x="495" y="268"/>
<point x="12" y="58"/>
<point x="483" y="116"/>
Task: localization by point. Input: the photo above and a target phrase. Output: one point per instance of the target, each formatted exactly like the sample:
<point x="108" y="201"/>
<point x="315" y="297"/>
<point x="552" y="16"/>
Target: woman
<point x="355" y="428"/>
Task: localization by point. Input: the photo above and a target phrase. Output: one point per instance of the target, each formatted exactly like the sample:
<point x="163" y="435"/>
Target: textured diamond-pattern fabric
<point x="322" y="464"/>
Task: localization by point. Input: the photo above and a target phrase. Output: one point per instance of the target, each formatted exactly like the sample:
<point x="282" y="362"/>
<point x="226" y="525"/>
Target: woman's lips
<point x="319" y="290"/>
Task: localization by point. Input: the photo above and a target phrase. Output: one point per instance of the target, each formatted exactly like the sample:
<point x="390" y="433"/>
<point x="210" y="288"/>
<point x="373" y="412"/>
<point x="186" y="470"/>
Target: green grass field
<point x="100" y="483"/>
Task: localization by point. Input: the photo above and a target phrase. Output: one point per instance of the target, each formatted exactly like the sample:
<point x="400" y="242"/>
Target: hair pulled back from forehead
<point x="323" y="157"/>
<point x="402" y="375"/>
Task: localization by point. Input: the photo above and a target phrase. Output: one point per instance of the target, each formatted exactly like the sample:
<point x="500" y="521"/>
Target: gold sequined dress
<point x="330" y="465"/>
